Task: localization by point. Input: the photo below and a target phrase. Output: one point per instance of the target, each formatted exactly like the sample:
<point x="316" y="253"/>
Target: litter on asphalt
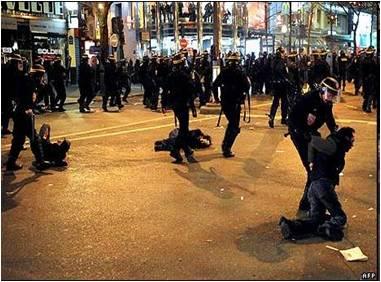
<point x="353" y="254"/>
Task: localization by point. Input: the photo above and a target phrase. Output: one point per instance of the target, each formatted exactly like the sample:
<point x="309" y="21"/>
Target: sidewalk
<point x="72" y="93"/>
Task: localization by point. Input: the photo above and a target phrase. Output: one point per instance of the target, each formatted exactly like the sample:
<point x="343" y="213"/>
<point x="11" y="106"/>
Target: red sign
<point x="183" y="43"/>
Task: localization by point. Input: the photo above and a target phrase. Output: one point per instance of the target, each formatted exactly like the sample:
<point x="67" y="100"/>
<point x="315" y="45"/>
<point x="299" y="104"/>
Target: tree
<point x="355" y="8"/>
<point x="313" y="6"/>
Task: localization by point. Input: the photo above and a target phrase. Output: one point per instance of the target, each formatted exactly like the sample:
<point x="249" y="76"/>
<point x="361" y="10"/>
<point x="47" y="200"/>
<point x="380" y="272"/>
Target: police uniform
<point x="206" y="79"/>
<point x="111" y="85"/>
<point x="234" y="83"/>
<point x="280" y="88"/>
<point x="147" y="81"/>
<point x="327" y="159"/>
<point x="182" y="93"/>
<point x="343" y="63"/>
<point x="370" y="79"/>
<point x="58" y="80"/>
<point x="23" y="120"/>
<point x="85" y="85"/>
<point x="8" y="91"/>
<point x="310" y="105"/>
<point x="319" y="69"/>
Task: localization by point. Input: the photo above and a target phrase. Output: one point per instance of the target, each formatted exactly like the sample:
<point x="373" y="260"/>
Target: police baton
<point x="244" y="107"/>
<point x="219" y="118"/>
<point x="33" y="127"/>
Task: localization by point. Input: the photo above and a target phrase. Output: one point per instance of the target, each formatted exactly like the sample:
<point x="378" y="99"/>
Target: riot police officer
<point x="310" y="112"/>
<point x="23" y="118"/>
<point x="9" y="73"/>
<point x="85" y="85"/>
<point x="206" y="78"/>
<point x="234" y="83"/>
<point x="280" y="85"/>
<point x="182" y="94"/>
<point x="58" y="80"/>
<point x="343" y="63"/>
<point x="111" y="84"/>
<point x="370" y="79"/>
<point x="147" y="80"/>
<point x="320" y="68"/>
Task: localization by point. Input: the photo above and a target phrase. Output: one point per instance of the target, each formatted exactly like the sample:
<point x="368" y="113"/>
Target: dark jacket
<point x="233" y="83"/>
<point x="327" y="156"/>
<point x="311" y="103"/>
<point x="182" y="89"/>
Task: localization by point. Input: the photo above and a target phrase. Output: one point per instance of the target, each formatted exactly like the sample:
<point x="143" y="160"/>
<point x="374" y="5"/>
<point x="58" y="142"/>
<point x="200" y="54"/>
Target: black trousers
<point x="232" y="113"/>
<point x="342" y="79"/>
<point x="280" y="93"/>
<point x="6" y="113"/>
<point x="182" y="140"/>
<point x="301" y="145"/>
<point x="322" y="197"/>
<point x="22" y="128"/>
<point x="61" y="94"/>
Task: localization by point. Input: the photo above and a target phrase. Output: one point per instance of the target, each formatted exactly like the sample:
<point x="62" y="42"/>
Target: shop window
<point x="118" y="10"/>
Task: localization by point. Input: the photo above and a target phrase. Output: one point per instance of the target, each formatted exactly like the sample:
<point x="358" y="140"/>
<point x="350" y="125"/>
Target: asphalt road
<point x="122" y="211"/>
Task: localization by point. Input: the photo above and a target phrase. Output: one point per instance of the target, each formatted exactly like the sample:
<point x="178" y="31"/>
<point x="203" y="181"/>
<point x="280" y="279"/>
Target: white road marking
<point x="119" y="132"/>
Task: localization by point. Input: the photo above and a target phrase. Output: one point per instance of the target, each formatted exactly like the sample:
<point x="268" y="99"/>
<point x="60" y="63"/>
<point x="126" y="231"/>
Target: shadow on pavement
<point x="10" y="189"/>
<point x="264" y="152"/>
<point x="209" y="180"/>
<point x="264" y="242"/>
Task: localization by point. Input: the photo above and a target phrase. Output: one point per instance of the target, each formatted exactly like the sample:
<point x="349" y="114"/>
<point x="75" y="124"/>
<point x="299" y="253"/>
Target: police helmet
<point x="234" y="57"/>
<point x="331" y="85"/>
<point x="178" y="59"/>
<point x="370" y="50"/>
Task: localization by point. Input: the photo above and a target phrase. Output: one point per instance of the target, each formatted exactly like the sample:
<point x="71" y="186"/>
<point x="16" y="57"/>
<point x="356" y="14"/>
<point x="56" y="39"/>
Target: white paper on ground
<point x="353" y="254"/>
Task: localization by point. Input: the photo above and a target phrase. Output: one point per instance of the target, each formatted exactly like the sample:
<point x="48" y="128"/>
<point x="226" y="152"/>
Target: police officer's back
<point x="233" y="83"/>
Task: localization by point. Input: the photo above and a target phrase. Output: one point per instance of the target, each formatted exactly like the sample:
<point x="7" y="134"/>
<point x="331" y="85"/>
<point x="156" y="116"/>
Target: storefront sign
<point x="8" y="23"/>
<point x="42" y="51"/>
<point x="48" y="8"/>
<point x="6" y="50"/>
<point x="44" y="26"/>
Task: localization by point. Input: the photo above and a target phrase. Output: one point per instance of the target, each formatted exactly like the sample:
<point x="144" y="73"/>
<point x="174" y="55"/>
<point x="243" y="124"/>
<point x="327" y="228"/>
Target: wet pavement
<point x="122" y="211"/>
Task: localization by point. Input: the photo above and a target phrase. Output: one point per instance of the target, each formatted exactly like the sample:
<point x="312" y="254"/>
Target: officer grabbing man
<point x="326" y="158"/>
<point x="234" y="83"/>
<point x="310" y="112"/>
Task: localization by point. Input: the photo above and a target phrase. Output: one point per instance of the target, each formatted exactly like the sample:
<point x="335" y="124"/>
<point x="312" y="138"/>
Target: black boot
<point x="296" y="229"/>
<point x="177" y="156"/>
<point x="228" y="141"/>
<point x="271" y="121"/>
<point x="11" y="165"/>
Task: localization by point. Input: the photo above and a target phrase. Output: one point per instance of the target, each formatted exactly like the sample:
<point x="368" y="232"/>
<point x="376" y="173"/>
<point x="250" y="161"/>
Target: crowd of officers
<point x="183" y="78"/>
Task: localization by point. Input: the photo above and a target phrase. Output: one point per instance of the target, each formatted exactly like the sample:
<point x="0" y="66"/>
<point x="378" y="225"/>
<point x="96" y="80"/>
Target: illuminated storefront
<point x="34" y="28"/>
